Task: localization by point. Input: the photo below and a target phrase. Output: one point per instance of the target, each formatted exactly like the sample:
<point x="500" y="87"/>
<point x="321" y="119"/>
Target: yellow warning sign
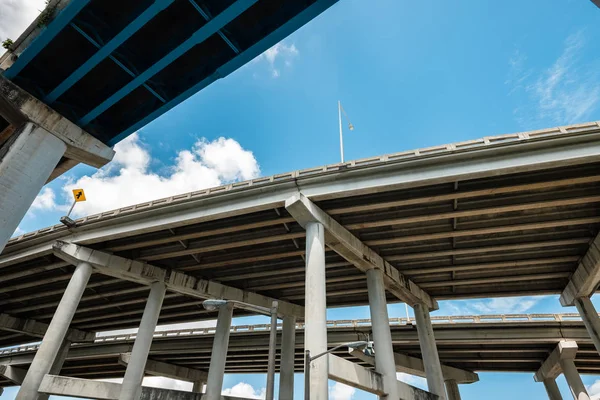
<point x="79" y="195"/>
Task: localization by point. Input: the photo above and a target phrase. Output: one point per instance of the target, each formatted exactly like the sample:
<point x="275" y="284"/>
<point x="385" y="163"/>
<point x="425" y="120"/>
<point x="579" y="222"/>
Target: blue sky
<point x="409" y="75"/>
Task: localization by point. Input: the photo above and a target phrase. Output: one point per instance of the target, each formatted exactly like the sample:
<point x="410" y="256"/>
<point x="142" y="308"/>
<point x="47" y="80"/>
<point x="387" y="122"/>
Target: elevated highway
<point x="500" y="343"/>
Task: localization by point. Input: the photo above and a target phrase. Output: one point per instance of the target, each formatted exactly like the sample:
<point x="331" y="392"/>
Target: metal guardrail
<point x="487" y="141"/>
<point x="346" y="323"/>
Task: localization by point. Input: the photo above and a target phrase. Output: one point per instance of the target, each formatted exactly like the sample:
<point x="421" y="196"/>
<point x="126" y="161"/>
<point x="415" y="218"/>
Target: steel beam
<point x="146" y="274"/>
<point x="354" y="250"/>
<point x="206" y="31"/>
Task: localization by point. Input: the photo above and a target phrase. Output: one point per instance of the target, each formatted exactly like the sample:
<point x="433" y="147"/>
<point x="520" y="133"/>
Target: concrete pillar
<point x="431" y="360"/>
<point x="552" y="389"/>
<point x="63" y="352"/>
<point x="131" y="389"/>
<point x="452" y="390"/>
<point x="24" y="169"/>
<point x="382" y="337"/>
<point x="197" y="388"/>
<point x="55" y="334"/>
<point x="573" y="379"/>
<point x="315" y="318"/>
<point x="288" y="353"/>
<point x="590" y="318"/>
<point x="216" y="370"/>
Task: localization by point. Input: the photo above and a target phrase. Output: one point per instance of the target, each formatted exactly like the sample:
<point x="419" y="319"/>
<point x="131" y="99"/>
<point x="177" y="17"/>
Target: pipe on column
<point x="288" y="352"/>
<point x="216" y="370"/>
<point x="590" y="318"/>
<point x="552" y="389"/>
<point x="382" y="337"/>
<point x="131" y="389"/>
<point x="574" y="381"/>
<point x="431" y="359"/>
<point x="315" y="309"/>
<point x="55" y="334"/>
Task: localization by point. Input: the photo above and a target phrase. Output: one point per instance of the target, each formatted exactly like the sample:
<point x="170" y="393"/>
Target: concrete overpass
<point x="87" y="73"/>
<point x="509" y="215"/>
<point x="466" y="344"/>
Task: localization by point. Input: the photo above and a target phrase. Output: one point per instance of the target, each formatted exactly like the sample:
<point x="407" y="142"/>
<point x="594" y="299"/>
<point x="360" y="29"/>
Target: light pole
<point x="214" y="304"/>
<point x="366" y="345"/>
<point x="350" y="126"/>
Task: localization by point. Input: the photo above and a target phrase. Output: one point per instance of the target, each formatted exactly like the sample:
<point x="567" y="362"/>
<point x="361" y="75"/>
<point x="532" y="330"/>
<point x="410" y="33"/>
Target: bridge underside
<point x="497" y="346"/>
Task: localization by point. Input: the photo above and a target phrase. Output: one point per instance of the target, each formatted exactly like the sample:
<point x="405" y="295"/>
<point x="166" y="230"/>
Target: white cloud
<point x="128" y="179"/>
<point x="500" y="305"/>
<point x="45" y="200"/>
<point x="565" y="92"/>
<point x="246" y="390"/>
<point x="159" y="382"/>
<point x="594" y="390"/>
<point x="16" y="15"/>
<point x="278" y="54"/>
<point x="339" y="391"/>
<point x="412" y="380"/>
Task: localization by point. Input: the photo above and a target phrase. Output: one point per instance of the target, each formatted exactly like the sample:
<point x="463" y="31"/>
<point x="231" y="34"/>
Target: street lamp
<point x="350" y="126"/>
<point x="215" y="304"/>
<point x="366" y="346"/>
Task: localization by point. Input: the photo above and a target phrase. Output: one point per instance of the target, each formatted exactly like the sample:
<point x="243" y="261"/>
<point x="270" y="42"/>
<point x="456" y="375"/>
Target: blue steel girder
<point x="45" y="37"/>
<point x="119" y="63"/>
<point x="106" y="50"/>
<point x="208" y="17"/>
<point x="206" y="31"/>
<point x="242" y="58"/>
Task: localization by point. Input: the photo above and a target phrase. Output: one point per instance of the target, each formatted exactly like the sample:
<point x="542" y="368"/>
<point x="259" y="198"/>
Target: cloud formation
<point x="129" y="179"/>
<point x="278" y="55"/>
<point x="245" y="390"/>
<point x="565" y="92"/>
<point x="499" y="305"/>
<point x="339" y="391"/>
<point x="16" y="15"/>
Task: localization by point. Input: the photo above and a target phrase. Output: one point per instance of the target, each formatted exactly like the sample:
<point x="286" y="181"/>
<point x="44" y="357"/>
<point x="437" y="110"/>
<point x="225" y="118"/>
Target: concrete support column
<point x="552" y="389"/>
<point x="382" y="337"/>
<point x="197" y="388"/>
<point x="131" y="389"/>
<point x="288" y="353"/>
<point x="452" y="390"/>
<point x="315" y="308"/>
<point x="574" y="380"/>
<point x="590" y="318"/>
<point x="216" y="370"/>
<point x="55" y="334"/>
<point x="63" y="352"/>
<point x="431" y="360"/>
<point x="24" y="169"/>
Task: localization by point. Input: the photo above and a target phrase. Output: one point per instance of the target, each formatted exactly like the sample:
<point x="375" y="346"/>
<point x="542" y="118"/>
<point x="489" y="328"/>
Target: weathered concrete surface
<point x="13" y="374"/>
<point x="24" y="169"/>
<point x="80" y="145"/>
<point x="343" y="242"/>
<point x="590" y="318"/>
<point x="146" y="274"/>
<point x="551" y="368"/>
<point x="351" y="374"/>
<point x="167" y="370"/>
<point x="586" y="277"/>
<point x="431" y="359"/>
<point x="38" y="329"/>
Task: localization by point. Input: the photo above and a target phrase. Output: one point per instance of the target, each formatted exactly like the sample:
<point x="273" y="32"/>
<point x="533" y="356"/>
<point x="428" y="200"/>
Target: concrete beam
<point x="158" y="368"/>
<point x="178" y="282"/>
<point x="586" y="277"/>
<point x="551" y="368"/>
<point x="13" y="374"/>
<point x="414" y="366"/>
<point x="76" y="387"/>
<point x="351" y="374"/>
<point x="81" y="146"/>
<point x="343" y="242"/>
<point x="35" y="328"/>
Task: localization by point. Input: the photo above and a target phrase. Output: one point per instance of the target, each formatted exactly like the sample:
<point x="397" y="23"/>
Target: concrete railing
<point x="579" y="129"/>
<point x="349" y="323"/>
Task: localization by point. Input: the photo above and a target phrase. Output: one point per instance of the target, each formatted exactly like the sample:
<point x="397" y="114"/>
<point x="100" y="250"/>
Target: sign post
<point x="78" y="195"/>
